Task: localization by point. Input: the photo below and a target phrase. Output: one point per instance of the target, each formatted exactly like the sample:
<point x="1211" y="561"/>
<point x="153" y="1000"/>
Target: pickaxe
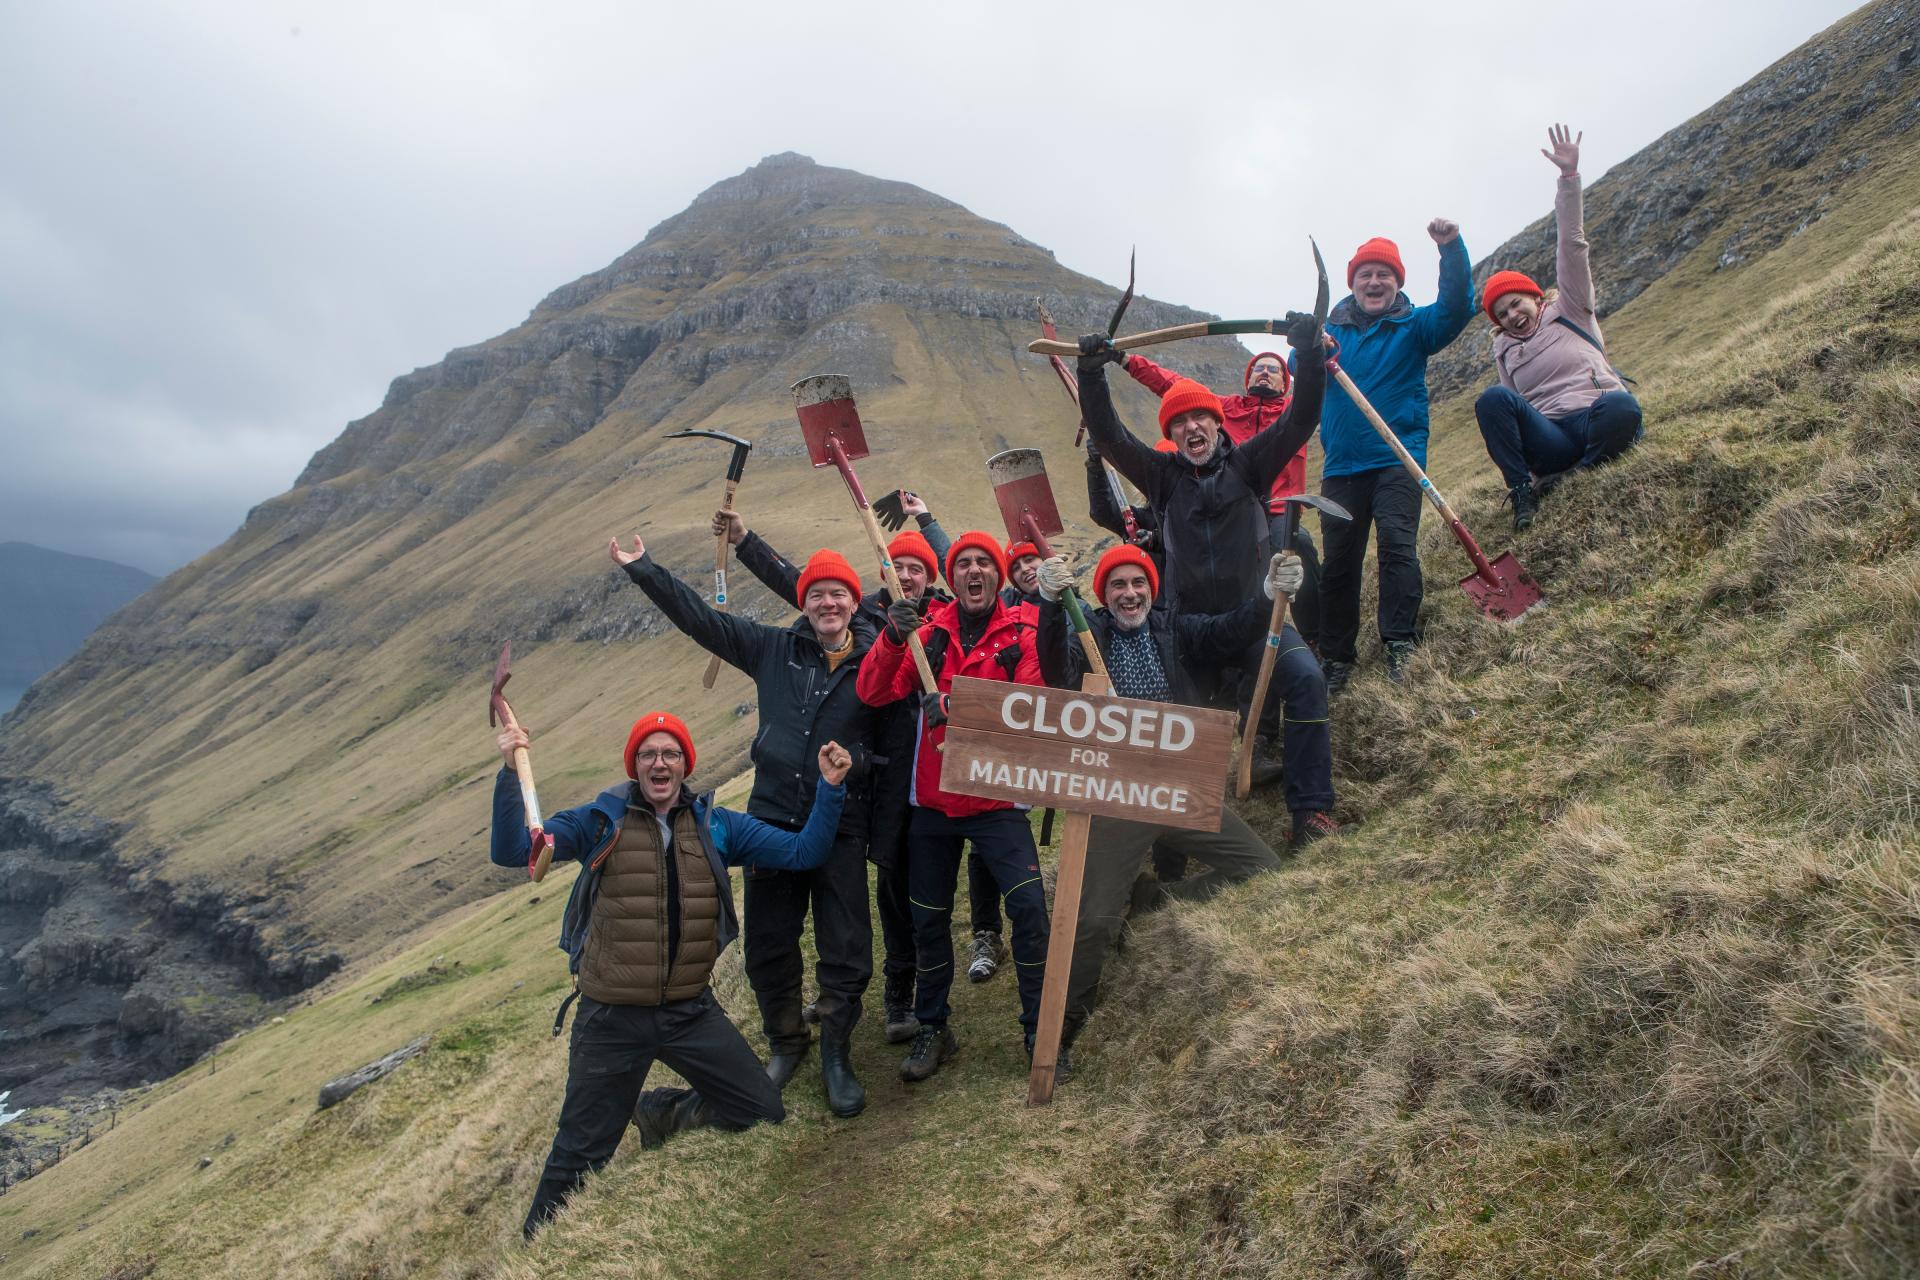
<point x="1072" y="384"/>
<point x="1243" y="767"/>
<point x="539" y="843"/>
<point x="831" y="426"/>
<point x="736" y="465"/>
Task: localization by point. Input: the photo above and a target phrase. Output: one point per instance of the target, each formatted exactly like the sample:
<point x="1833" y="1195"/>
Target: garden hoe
<point x="735" y="466"/>
<point x="539" y="843"/>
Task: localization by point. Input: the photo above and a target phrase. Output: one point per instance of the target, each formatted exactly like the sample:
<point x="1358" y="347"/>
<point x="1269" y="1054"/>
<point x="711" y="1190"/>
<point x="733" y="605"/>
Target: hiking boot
<point x="988" y="952"/>
<point x="1309" y="826"/>
<point x="931" y="1047"/>
<point x="1338" y="673"/>
<point x="1526" y="503"/>
<point x="845" y="1097"/>
<point x="781" y="1065"/>
<point x="659" y="1113"/>
<point x="1267" y="768"/>
<point x="1399" y="656"/>
<point x="900" y="1022"/>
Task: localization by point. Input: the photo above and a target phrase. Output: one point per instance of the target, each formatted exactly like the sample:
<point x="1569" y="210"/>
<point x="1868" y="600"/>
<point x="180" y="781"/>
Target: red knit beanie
<point x="1185" y="394"/>
<point x="1125" y="553"/>
<point x="1017" y="549"/>
<point x="827" y="566"/>
<point x="912" y="545"/>
<point x="1502" y="283"/>
<point x="1381" y="250"/>
<point x="980" y="541"/>
<point x="1286" y="379"/>
<point x="657" y="722"/>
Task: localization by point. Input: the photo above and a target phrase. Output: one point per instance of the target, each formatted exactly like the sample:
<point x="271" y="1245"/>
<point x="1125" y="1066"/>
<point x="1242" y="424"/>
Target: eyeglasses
<point x="1266" y="368"/>
<point x="670" y="755"/>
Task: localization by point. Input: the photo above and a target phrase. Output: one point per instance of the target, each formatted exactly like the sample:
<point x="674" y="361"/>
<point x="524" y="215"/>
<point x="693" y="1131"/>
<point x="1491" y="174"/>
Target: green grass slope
<point x="1613" y="974"/>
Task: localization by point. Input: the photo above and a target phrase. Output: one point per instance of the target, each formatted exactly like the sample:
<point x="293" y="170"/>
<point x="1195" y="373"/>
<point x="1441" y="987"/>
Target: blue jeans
<point x="1523" y="442"/>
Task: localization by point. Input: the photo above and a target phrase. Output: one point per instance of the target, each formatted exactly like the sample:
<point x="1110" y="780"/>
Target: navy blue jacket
<point x="1387" y="359"/>
<point x="585" y="834"/>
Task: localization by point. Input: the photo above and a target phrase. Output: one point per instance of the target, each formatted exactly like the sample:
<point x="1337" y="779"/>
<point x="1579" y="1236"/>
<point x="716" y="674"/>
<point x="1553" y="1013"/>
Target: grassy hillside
<point x="1612" y="975"/>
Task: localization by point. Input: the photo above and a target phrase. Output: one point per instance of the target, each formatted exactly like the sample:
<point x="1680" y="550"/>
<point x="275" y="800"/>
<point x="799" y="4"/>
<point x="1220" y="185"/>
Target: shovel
<point x="1243" y="766"/>
<point x="831" y="425"/>
<point x="1026" y="506"/>
<point x="540" y="844"/>
<point x="736" y="465"/>
<point x="1502" y="588"/>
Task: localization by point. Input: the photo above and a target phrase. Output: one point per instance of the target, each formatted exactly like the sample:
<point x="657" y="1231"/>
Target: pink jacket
<point x="1558" y="371"/>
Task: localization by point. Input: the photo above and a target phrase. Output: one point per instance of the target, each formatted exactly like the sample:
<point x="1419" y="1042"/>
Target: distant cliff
<point x="50" y="602"/>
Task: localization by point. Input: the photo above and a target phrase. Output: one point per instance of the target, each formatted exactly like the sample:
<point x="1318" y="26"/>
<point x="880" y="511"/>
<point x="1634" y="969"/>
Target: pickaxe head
<point x="1327" y="505"/>
<point x="1320" y="298"/>
<point x="497" y="709"/>
<point x="735" y="465"/>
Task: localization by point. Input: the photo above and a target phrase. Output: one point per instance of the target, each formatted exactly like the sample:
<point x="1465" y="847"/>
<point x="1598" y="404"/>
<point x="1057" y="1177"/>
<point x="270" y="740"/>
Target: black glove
<point x="903" y="619"/>
<point x="1097" y="349"/>
<point x="1303" y="332"/>
<point x="933" y="707"/>
<point x="889" y="511"/>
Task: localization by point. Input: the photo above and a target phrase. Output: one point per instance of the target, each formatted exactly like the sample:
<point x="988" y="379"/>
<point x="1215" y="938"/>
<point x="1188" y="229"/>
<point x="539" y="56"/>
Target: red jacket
<point x="888" y="674"/>
<point x="1247" y="416"/>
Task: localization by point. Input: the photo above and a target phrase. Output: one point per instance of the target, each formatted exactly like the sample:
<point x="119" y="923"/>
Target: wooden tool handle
<point x="1067" y="881"/>
<point x="1152" y="337"/>
<point x="1243" y="764"/>
<point x="720" y="582"/>
<point x="892" y="579"/>
<point x="529" y="798"/>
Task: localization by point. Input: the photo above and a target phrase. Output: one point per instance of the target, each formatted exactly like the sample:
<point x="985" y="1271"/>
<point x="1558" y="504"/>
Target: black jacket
<point x="896" y="727"/>
<point x="802" y="704"/>
<point x="1186" y="641"/>
<point x="1213" y="518"/>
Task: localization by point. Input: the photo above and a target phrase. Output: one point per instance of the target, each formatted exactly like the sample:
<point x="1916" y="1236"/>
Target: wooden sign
<point x="1087" y="753"/>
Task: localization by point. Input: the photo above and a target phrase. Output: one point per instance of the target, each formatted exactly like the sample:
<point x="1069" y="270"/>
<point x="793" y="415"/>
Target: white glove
<point x="1055" y="577"/>
<point x="1285" y="574"/>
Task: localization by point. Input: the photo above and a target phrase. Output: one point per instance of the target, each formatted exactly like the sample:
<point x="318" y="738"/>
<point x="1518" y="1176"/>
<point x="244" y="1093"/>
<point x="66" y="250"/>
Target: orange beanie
<point x="827" y="566"/>
<point x="657" y="722"/>
<point x="1184" y="395"/>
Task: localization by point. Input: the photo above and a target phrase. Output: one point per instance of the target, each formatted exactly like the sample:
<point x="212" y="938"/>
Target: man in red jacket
<point x="975" y="634"/>
<point x="1268" y="388"/>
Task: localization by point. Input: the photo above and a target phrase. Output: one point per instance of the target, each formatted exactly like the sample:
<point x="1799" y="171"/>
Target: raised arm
<point x="1572" y="272"/>
<point x="1129" y="457"/>
<point x="735" y="639"/>
<point x="775" y="572"/>
<point x="572" y="830"/>
<point x="1447" y="316"/>
<point x="741" y="839"/>
<point x="1101" y="508"/>
<point x="1150" y="375"/>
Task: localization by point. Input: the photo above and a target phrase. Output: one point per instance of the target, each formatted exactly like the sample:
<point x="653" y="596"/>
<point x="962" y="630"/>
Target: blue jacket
<point x="586" y="833"/>
<point x="1387" y="359"/>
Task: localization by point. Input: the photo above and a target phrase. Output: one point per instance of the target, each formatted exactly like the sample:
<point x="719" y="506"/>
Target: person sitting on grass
<point x="648" y="916"/>
<point x="1560" y="406"/>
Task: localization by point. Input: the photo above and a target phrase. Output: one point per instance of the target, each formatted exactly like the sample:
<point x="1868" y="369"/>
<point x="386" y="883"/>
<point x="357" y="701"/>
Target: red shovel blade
<point x="825" y="405"/>
<point x="1517" y="593"/>
<point x="1021" y="489"/>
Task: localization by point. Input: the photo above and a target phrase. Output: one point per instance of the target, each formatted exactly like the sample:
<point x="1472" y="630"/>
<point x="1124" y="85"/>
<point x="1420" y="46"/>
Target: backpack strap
<point x="1595" y="344"/>
<point x="936" y="647"/>
<point x="1009" y="655"/>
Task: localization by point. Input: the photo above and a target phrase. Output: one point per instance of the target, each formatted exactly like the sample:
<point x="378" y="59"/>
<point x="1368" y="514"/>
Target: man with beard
<point x="1211" y="496"/>
<point x="977" y="634"/>
<point x="1149" y="652"/>
<point x="804" y="676"/>
<point x="649" y="915"/>
<point x="1268" y="387"/>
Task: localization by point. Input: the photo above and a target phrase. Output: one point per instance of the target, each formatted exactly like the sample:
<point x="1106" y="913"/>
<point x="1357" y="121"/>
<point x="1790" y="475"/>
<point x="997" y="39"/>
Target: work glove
<point x="1055" y="577"/>
<point x="1303" y="332"/>
<point x="933" y="709"/>
<point x="1286" y="574"/>
<point x="903" y="619"/>
<point x="1097" y="349"/>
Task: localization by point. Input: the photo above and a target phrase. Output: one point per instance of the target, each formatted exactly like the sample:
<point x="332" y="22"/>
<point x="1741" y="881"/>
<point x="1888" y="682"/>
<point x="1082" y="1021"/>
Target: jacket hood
<point x="1347" y="312"/>
<point x="1286" y="378"/>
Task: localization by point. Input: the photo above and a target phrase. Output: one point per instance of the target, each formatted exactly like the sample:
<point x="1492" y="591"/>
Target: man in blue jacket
<point x="1384" y="345"/>
<point x="650" y="912"/>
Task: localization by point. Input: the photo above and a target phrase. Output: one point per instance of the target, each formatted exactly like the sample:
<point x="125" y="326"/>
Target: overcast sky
<point x="224" y="227"/>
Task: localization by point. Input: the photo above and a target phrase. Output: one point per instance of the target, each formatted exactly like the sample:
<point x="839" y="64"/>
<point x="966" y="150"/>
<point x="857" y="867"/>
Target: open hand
<point x="1443" y="230"/>
<point x="834" y="763"/>
<point x="1566" y="152"/>
<point x="625" y="558"/>
<point x="510" y="739"/>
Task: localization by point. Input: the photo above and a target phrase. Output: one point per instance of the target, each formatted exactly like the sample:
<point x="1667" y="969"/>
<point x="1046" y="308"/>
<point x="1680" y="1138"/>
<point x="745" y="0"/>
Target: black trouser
<point x="613" y="1047"/>
<point x="1305" y="609"/>
<point x="777" y="903"/>
<point x="1299" y="688"/>
<point x="1385" y="500"/>
<point x="1004" y="841"/>
<point x="896" y="919"/>
<point x="1115" y="849"/>
<point x="983" y="895"/>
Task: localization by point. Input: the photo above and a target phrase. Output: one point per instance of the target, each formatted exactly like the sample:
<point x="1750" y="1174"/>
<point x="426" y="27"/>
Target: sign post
<point x="1083" y="752"/>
